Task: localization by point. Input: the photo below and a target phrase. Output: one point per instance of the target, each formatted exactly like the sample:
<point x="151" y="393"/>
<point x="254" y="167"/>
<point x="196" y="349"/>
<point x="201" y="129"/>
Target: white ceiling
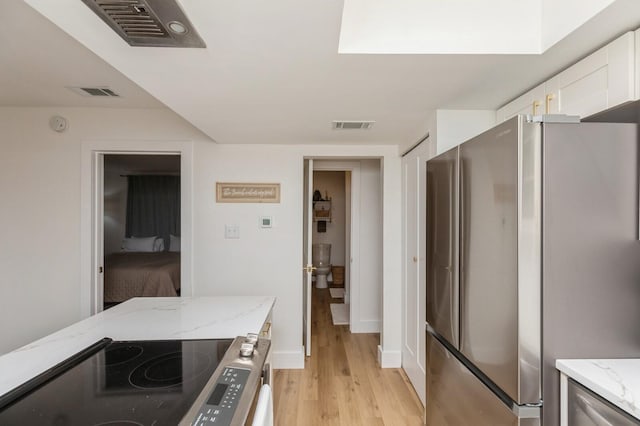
<point x="271" y="72"/>
<point x="38" y="61"/>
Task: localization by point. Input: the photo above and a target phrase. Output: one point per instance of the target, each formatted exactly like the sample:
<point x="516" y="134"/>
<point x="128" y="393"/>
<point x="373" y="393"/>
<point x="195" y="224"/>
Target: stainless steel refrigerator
<point x="532" y="255"/>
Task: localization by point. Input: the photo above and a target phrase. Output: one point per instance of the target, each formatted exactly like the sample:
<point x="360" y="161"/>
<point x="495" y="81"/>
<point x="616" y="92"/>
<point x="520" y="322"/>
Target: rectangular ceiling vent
<point x="352" y="125"/>
<point x="151" y="23"/>
<point x="94" y="91"/>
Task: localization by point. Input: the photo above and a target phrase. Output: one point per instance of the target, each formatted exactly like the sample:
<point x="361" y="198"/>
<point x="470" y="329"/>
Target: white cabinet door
<point x="637" y="81"/>
<point x="531" y="102"/>
<point x="600" y="81"/>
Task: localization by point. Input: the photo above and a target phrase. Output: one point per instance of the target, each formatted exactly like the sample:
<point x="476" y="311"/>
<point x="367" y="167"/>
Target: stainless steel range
<point x="190" y="382"/>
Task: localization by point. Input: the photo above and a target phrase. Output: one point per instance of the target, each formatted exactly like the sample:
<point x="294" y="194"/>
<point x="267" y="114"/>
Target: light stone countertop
<point x="144" y="318"/>
<point x="616" y="380"/>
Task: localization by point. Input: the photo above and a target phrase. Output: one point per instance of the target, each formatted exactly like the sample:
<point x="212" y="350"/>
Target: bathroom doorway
<point x="329" y="237"/>
<point x="361" y="251"/>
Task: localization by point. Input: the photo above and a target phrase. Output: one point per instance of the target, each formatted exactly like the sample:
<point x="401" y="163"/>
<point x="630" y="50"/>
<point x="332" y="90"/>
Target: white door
<point x="306" y="256"/>
<point x="347" y="240"/>
<point x="98" y="250"/>
<point x="413" y="288"/>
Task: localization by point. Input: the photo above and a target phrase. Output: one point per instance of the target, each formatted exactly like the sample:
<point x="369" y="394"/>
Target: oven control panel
<point x="223" y="401"/>
<point x="229" y="396"/>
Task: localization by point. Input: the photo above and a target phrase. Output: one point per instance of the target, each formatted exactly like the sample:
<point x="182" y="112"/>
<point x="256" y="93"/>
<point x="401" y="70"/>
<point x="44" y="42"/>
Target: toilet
<point x="321" y="258"/>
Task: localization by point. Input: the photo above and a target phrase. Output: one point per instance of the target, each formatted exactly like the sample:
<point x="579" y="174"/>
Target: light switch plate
<point x="231" y="231"/>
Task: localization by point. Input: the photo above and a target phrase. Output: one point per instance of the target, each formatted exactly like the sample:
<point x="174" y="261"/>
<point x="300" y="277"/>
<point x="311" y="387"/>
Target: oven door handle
<point x="264" y="408"/>
<point x="266" y="375"/>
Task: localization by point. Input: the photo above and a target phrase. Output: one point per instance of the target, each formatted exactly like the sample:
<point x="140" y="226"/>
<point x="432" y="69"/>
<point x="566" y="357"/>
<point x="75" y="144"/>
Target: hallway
<point x="342" y="383"/>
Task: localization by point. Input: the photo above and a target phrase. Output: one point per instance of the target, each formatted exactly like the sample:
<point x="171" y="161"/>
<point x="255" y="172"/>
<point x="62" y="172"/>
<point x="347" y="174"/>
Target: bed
<point x="136" y="274"/>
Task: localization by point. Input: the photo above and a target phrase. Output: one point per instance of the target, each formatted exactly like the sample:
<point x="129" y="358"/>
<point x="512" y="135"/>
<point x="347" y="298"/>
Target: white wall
<point x="332" y="182"/>
<point x="450" y="128"/>
<point x="560" y="18"/>
<point x="263" y="261"/>
<point x="40" y="255"/>
<point x="39" y="185"/>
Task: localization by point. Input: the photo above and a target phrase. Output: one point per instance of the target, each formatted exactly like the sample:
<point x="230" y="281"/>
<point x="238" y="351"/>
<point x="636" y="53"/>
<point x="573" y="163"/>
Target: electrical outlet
<point x="231" y="231"/>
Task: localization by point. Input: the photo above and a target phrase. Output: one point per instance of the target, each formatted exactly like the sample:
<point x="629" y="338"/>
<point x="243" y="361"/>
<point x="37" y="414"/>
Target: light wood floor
<point x="341" y="383"/>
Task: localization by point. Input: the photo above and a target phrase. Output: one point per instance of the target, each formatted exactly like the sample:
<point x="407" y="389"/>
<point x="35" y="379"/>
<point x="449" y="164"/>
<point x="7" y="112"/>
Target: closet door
<point x="413" y="283"/>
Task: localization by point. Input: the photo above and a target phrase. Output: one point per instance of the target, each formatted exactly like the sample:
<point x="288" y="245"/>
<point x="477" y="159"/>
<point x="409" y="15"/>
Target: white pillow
<point x="174" y="243"/>
<point x="138" y="244"/>
<point x="158" y="244"/>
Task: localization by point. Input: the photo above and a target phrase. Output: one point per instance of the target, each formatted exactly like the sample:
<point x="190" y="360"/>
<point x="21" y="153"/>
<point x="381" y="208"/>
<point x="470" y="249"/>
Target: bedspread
<point x="135" y="274"/>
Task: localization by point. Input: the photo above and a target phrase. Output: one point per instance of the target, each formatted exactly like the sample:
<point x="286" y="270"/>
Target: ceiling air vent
<point x="94" y="91"/>
<point x="356" y="125"/>
<point x="151" y="23"/>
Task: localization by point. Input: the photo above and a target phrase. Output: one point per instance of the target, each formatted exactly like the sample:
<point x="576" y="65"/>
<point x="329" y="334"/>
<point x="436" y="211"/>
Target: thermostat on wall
<point x="265" y="221"/>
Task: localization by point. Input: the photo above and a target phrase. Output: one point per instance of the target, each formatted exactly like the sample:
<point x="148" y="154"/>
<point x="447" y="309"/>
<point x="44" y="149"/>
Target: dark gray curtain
<point x="153" y="207"/>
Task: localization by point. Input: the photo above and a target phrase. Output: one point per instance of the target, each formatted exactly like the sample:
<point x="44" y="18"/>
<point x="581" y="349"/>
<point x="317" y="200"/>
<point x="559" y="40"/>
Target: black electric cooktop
<point x="121" y="383"/>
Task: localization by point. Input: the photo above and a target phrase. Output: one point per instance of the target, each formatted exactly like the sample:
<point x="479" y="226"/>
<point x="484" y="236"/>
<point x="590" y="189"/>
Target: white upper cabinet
<point x="600" y="81"/>
<point x="531" y="102"/>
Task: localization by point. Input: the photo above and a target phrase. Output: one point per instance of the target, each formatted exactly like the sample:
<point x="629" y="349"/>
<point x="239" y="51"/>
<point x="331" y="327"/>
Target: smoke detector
<point x="151" y="23"/>
<point x="352" y="125"/>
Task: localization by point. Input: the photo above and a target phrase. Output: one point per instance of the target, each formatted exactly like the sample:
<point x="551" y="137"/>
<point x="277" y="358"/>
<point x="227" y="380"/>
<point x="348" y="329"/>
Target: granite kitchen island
<point x="157" y="318"/>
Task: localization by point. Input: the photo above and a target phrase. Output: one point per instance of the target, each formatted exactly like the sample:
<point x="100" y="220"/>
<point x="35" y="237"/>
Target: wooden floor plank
<point x="342" y="383"/>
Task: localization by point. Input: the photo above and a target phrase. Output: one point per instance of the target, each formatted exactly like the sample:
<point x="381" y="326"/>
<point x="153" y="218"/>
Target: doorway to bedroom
<point x="141" y="224"/>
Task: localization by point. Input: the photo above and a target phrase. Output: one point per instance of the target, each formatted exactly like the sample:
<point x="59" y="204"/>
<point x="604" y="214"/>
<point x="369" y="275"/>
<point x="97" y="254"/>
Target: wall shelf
<point x="322" y="211"/>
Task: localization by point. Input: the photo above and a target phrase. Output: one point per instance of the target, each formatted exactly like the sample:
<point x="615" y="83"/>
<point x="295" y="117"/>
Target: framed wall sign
<point x="234" y="192"/>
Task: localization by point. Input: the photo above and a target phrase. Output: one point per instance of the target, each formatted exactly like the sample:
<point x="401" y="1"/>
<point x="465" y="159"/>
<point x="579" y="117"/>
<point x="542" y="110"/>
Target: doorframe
<point x="307" y="240"/>
<point x="90" y="193"/>
<point x="350" y="165"/>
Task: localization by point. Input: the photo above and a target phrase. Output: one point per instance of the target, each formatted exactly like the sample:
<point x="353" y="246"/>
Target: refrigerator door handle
<point x="452" y="248"/>
<point x="461" y="235"/>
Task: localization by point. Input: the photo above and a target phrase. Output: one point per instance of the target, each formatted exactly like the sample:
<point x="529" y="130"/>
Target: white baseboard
<point x="389" y="359"/>
<point x="286" y="360"/>
<point x="367" y="326"/>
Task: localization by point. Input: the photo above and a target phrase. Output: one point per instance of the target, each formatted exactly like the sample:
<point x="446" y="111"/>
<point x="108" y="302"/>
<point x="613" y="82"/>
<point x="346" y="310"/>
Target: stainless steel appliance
<point x="190" y="382"/>
<point x="585" y="408"/>
<point x="230" y="396"/>
<point x="532" y="255"/>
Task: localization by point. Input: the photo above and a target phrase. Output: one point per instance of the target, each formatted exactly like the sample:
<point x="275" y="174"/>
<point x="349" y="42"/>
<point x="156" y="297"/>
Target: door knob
<point x="415" y="259"/>
<point x="309" y="269"/>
